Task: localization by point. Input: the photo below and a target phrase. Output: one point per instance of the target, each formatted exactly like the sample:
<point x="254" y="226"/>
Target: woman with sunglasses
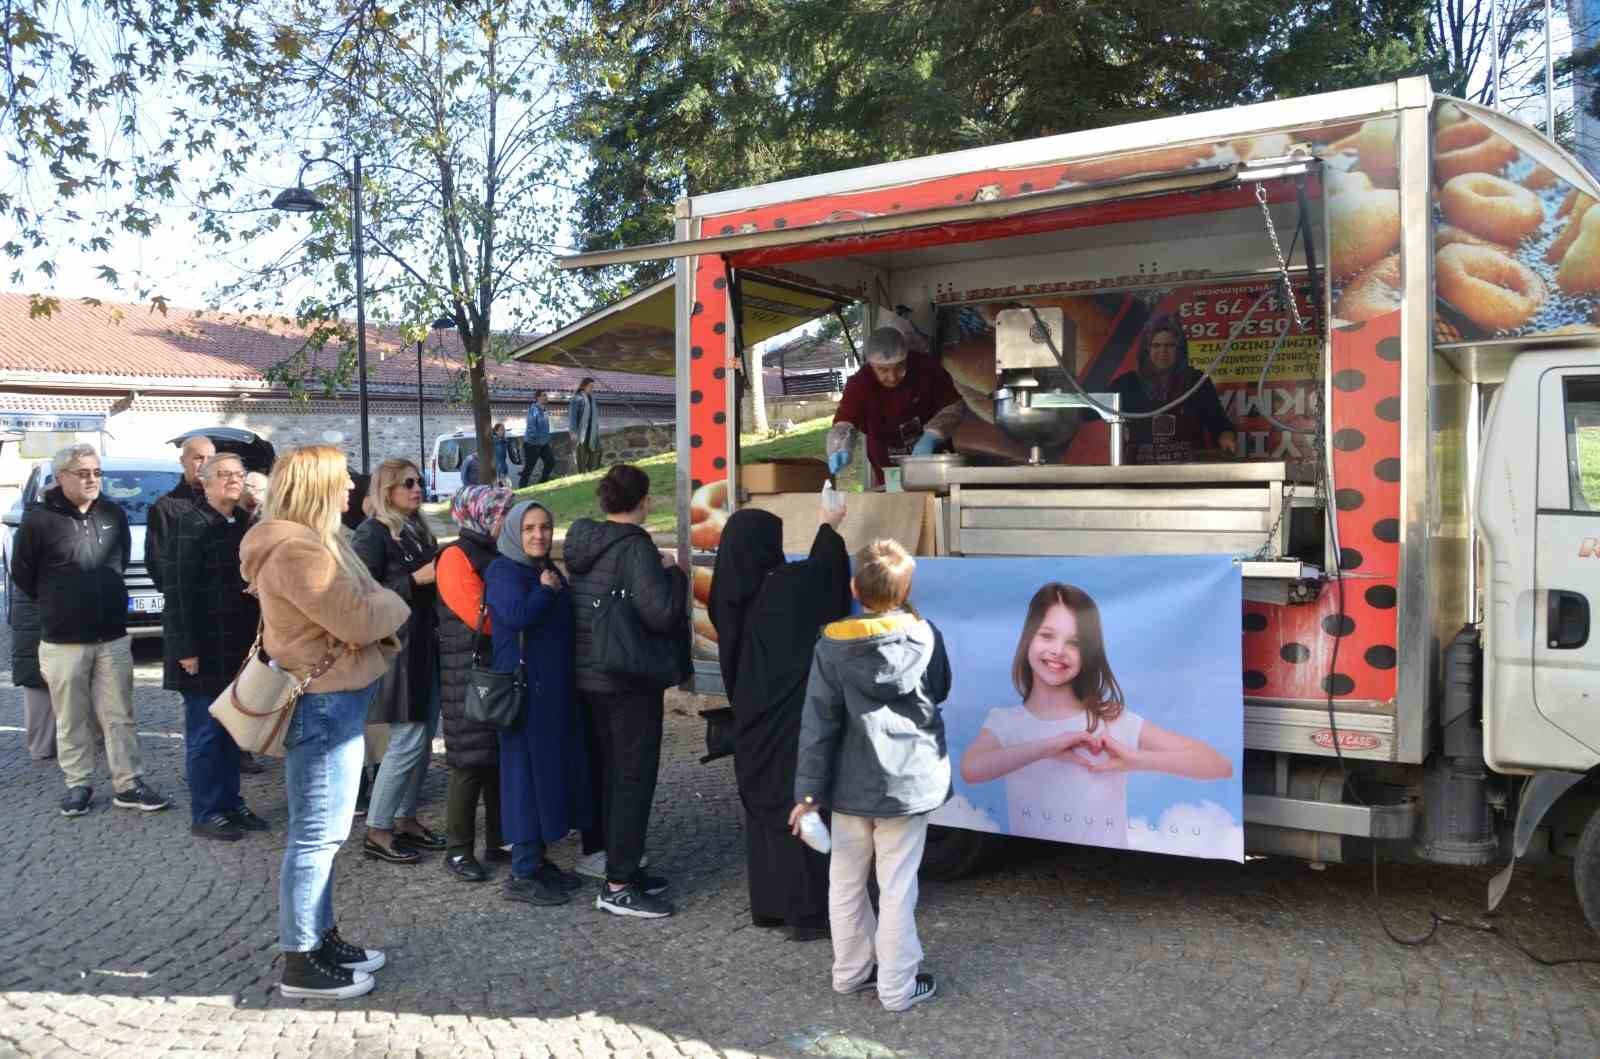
<point x="399" y="550"/>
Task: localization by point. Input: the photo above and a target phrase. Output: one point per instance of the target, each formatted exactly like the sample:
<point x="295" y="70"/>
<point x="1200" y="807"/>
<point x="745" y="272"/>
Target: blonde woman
<point x="317" y="598"/>
<point x="398" y="550"/>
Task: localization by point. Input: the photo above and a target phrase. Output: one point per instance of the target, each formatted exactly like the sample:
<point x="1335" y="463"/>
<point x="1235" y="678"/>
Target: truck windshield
<point x="136" y="491"/>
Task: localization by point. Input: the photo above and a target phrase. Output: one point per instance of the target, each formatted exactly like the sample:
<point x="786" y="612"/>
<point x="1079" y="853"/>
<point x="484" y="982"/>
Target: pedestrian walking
<point x="872" y="749"/>
<point x="472" y="751"/>
<point x="536" y="443"/>
<point x="583" y="426"/>
<point x="544" y="766"/>
<point x="616" y="560"/>
<point x="69" y="556"/>
<point x="767" y="614"/>
<point x="502" y="455"/>
<point x="319" y="607"/>
<point x="208" y="626"/>
<point x="399" y="551"/>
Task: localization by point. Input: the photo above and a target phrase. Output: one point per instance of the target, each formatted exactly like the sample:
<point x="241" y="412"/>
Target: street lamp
<point x="298" y="200"/>
<point x="441" y="323"/>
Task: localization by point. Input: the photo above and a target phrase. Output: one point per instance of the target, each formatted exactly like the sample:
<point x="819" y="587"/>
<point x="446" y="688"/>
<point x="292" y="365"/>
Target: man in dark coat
<point x="196" y="451"/>
<point x="209" y="625"/>
<point x="38" y="717"/>
<point x="625" y="715"/>
<point x="69" y="557"/>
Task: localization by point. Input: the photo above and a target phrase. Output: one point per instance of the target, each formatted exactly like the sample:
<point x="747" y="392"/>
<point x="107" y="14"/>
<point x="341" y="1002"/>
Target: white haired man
<point x="165" y="512"/>
<point x="905" y="404"/>
<point x="69" y="557"/>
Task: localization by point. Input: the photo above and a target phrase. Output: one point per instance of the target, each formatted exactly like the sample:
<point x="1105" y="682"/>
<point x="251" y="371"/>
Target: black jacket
<point x="602" y="556"/>
<point x="208" y="615"/>
<point x="25" y="672"/>
<point x="164" y="514"/>
<point x="72" y="562"/>
<point x="403" y="697"/>
<point x="466" y="745"/>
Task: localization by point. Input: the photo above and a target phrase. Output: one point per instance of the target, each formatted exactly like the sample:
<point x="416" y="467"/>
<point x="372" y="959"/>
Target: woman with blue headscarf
<point x="544" y="770"/>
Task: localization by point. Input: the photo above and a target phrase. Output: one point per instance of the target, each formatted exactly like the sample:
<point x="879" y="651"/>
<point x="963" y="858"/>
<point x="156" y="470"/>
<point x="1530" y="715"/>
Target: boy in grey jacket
<point x="872" y="750"/>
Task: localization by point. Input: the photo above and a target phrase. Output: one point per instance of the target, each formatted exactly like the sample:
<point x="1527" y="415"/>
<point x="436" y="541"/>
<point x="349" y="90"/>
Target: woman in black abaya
<point x="768" y="615"/>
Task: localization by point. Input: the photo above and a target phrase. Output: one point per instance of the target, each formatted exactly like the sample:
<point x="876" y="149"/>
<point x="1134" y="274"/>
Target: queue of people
<point x="387" y="629"/>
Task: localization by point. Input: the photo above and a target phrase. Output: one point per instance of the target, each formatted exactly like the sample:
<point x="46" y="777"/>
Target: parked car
<point x="450" y="451"/>
<point x="136" y="484"/>
<point x="256" y="451"/>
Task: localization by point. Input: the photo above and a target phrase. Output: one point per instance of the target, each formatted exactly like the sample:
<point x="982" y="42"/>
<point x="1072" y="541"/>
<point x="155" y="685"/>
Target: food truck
<point x="1394" y="296"/>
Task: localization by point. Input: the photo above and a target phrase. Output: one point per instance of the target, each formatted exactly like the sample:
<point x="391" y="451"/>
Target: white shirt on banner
<point x="1059" y="800"/>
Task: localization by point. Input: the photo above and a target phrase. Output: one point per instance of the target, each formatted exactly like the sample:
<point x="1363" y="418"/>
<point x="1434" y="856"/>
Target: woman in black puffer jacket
<point x="471" y="750"/>
<point x="624" y="716"/>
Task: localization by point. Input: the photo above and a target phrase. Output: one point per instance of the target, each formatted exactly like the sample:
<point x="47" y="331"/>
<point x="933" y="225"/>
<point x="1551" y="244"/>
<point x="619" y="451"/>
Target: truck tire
<point x="954" y="852"/>
<point x="1586" y="872"/>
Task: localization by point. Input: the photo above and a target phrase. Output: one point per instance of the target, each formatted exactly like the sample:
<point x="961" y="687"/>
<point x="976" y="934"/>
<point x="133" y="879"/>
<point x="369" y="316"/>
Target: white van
<point x="450" y="451"/>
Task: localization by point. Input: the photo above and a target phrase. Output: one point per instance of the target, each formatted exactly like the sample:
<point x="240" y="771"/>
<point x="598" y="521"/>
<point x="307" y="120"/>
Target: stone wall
<point x="143" y="427"/>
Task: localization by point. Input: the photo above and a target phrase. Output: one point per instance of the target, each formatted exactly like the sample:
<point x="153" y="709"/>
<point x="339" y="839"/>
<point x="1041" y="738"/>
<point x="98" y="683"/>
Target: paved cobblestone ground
<point x="122" y="936"/>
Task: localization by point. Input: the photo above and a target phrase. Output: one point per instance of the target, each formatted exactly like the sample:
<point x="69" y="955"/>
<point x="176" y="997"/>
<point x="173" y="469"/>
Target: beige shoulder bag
<point x="256" y="706"/>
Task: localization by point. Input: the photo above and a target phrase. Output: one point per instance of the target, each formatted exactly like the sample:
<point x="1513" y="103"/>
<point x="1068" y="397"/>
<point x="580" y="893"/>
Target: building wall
<point x="143" y="427"/>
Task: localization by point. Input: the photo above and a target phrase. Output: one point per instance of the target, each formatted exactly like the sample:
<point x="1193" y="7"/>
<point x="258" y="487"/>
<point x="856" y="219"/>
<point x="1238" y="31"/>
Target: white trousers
<point x="890" y="939"/>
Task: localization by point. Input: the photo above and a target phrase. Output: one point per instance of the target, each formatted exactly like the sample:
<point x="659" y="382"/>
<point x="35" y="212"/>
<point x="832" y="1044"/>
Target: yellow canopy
<point x="636" y="334"/>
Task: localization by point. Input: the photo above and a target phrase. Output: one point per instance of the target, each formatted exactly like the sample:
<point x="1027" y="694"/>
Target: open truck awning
<point x="636" y="334"/>
<point x="862" y="227"/>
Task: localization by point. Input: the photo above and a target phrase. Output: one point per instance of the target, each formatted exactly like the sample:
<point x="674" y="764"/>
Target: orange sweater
<point x="460" y="587"/>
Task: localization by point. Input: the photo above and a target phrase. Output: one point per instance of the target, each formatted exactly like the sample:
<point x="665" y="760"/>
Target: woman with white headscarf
<point x="544" y="769"/>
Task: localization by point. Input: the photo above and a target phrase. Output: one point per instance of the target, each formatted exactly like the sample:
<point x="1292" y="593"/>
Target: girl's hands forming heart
<point x="1077" y="747"/>
<point x="1119" y="757"/>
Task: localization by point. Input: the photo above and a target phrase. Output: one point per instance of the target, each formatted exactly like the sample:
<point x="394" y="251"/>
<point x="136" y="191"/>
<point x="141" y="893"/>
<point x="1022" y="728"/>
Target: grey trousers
<point x="40" y="721"/>
<point x="93" y="682"/>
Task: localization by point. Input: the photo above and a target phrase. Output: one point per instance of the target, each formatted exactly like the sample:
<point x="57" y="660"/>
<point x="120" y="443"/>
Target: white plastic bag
<point x="832" y="500"/>
<point x="814" y="833"/>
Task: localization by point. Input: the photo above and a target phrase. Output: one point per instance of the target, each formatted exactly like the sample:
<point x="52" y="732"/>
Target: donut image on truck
<point x="1351" y="340"/>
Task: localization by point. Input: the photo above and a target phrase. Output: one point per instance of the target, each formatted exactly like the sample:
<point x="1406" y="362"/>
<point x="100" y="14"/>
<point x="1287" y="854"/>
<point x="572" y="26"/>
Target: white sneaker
<point x="593" y="864"/>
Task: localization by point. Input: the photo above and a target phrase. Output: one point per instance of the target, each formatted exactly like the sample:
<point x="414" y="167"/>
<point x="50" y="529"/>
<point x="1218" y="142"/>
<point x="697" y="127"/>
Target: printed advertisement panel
<point x="1115" y="333"/>
<point x="1094" y="700"/>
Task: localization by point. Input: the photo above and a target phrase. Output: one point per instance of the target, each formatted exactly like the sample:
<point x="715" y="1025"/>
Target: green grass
<point x="572" y="497"/>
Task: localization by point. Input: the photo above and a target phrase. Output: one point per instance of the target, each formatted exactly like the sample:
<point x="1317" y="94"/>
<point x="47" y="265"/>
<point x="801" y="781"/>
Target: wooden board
<point x="906" y="517"/>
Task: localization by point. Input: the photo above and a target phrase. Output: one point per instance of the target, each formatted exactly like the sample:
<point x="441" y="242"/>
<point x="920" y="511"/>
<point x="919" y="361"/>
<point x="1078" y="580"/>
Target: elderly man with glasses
<point x="69" y="556"/>
<point x="207" y="629"/>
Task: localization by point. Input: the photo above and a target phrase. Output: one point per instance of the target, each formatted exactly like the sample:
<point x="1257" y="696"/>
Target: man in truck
<point x="905" y="405"/>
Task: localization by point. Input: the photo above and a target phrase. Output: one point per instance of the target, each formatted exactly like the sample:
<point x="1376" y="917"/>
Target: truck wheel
<point x="954" y="852"/>
<point x="1586" y="872"/>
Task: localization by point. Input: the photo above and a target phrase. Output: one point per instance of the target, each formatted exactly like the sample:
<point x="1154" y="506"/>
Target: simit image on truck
<point x="1392" y="298"/>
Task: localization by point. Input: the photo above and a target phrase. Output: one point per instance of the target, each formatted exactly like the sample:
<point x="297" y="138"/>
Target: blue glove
<point x="837" y="461"/>
<point x="927" y="444"/>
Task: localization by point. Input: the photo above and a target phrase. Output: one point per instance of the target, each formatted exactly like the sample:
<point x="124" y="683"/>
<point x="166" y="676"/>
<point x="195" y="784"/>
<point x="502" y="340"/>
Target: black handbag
<point x="620" y="646"/>
<point x="494" y="698"/>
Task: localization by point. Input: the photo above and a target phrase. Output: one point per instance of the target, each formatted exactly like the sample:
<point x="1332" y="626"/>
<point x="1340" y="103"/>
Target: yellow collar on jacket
<point x="869" y="625"/>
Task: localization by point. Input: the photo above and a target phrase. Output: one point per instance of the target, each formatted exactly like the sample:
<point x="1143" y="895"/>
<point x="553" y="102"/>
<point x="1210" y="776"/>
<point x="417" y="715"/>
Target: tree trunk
<point x="758" y="391"/>
<point x="482" y="415"/>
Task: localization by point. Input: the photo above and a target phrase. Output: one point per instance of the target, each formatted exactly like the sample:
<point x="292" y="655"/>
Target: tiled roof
<point x="138" y="342"/>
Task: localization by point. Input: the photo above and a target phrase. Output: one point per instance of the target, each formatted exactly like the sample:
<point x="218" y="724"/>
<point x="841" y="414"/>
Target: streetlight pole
<point x="298" y="200"/>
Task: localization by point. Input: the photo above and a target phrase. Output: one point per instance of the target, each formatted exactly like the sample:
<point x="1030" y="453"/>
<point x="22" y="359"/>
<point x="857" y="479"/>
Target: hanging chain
<point x="1319" y="486"/>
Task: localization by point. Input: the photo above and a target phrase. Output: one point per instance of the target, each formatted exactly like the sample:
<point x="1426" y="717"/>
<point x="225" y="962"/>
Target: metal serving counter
<point x="1236" y="508"/>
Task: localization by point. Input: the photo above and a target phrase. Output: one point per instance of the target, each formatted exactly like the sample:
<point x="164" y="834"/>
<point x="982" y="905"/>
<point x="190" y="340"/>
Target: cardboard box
<point x="794" y="475"/>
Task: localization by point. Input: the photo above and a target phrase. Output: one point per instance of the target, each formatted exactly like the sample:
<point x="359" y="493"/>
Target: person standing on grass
<point x="536" y="443"/>
<point x="70" y="555"/>
<point x="209" y="624"/>
<point x="583" y="426"/>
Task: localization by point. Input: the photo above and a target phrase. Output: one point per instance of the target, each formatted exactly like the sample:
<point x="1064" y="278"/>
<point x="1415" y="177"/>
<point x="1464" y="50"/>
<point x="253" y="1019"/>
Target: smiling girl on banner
<point x="1065" y="752"/>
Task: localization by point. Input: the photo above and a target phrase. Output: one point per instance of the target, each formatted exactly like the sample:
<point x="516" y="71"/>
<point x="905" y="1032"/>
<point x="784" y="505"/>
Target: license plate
<point x="146" y="604"/>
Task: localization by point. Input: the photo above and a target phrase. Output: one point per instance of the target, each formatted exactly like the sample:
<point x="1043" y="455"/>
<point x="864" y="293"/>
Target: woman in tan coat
<point x="320" y="609"/>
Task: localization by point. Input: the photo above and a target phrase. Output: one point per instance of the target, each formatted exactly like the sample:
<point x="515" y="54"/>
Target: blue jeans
<point x="322" y="766"/>
<point x="405" y="765"/>
<point x="210" y="760"/>
<point x="526" y="858"/>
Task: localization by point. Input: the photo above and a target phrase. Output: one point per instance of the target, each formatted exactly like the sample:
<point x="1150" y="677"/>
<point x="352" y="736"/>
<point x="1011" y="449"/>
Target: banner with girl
<point x="1096" y="700"/>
